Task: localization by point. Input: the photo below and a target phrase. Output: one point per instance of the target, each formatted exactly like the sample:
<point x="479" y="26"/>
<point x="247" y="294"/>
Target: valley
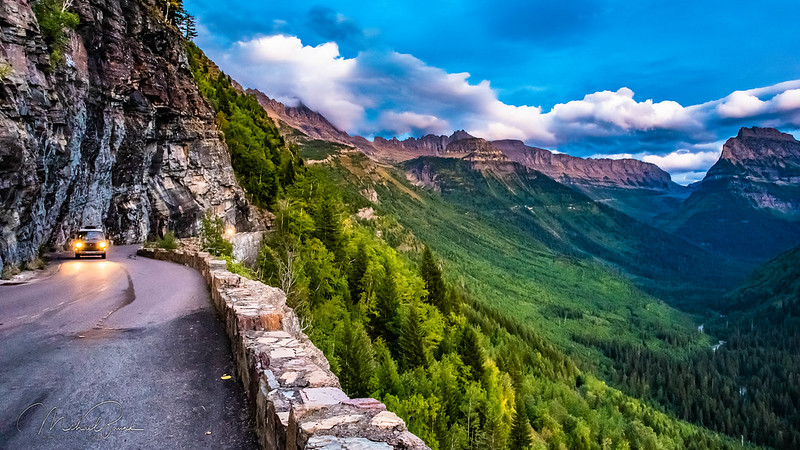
<point x="491" y="293"/>
<point x="583" y="259"/>
<point x="520" y="246"/>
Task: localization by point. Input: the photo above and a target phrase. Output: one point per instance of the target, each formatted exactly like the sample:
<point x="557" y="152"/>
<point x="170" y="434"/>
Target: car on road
<point x="90" y="241"/>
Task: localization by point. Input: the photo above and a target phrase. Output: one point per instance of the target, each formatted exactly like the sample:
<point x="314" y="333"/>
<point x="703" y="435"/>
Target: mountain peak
<point x="759" y="153"/>
<point x="459" y="135"/>
<point x="764" y="133"/>
<point x="302" y="118"/>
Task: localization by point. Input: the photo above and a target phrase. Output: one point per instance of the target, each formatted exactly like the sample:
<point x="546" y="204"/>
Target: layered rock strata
<point x="118" y="136"/>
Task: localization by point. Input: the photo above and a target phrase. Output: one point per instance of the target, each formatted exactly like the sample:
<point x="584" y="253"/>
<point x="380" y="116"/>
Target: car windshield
<point x="90" y="235"/>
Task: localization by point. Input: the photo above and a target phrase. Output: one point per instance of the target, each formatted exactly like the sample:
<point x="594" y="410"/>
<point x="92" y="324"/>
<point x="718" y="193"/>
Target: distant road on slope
<point x="128" y="351"/>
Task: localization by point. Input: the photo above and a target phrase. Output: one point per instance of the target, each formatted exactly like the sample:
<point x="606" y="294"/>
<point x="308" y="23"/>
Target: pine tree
<point x="289" y="173"/>
<point x="520" y="437"/>
<point x="188" y="26"/>
<point x="386" y="373"/>
<point x="387" y="302"/>
<point x="329" y="225"/>
<point x="434" y="284"/>
<point x="356" y="359"/>
<point x="471" y="352"/>
<point x="412" y="340"/>
<point x="358" y="268"/>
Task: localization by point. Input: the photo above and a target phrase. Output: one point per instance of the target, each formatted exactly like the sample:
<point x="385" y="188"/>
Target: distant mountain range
<point x="747" y="206"/>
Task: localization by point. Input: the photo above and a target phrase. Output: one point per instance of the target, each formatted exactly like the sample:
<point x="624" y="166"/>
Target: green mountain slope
<point x="772" y="289"/>
<point x="567" y="222"/>
<point x="644" y="205"/>
<point x="746" y="384"/>
<point x="719" y="216"/>
<point x="522" y="296"/>
<point x="494" y="252"/>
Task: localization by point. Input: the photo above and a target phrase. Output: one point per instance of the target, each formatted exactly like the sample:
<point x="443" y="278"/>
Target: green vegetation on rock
<point x="212" y="238"/>
<point x="264" y="165"/>
<point x="55" y="22"/>
<point x="167" y="242"/>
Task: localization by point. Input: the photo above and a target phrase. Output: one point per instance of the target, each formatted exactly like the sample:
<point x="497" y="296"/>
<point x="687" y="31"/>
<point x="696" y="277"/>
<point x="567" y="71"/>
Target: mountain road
<point x="121" y="353"/>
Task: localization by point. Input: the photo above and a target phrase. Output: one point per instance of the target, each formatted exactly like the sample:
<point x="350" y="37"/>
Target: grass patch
<point x="168" y="242"/>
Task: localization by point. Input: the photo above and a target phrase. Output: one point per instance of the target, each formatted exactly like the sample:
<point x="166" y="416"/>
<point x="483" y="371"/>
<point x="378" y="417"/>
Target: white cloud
<point x="406" y="122"/>
<point x="684" y="160"/>
<point x="787" y="100"/>
<point x="390" y="92"/>
<point x="614" y="156"/>
<point x="316" y="76"/>
<point x="686" y="178"/>
<point x="740" y="104"/>
<point x="613" y="112"/>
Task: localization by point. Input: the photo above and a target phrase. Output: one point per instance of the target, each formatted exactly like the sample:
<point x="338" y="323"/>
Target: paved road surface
<point x="119" y="353"/>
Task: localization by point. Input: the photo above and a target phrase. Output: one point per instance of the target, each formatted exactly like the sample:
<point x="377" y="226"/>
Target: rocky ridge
<point x="762" y="165"/>
<point x="618" y="173"/>
<point x="311" y="124"/>
<point x="621" y="173"/>
<point x="118" y="136"/>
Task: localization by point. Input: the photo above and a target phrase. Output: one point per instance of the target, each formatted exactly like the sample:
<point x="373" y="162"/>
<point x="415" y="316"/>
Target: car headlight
<point x="102" y="245"/>
<point x="78" y="244"/>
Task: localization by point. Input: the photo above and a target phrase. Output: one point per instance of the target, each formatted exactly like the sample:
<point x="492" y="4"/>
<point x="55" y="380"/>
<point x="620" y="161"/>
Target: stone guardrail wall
<point x="298" y="401"/>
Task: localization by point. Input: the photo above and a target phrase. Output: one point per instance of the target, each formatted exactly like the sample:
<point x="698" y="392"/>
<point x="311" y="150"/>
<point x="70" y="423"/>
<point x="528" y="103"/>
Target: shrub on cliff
<point x="54" y="21"/>
<point x="168" y="241"/>
<point x="211" y="237"/>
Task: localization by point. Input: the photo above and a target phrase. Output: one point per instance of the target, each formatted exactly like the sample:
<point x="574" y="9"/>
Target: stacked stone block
<point x="298" y="401"/>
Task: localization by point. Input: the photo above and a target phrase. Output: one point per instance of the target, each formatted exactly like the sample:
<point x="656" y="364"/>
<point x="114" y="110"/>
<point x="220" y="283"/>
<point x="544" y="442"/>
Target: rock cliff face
<point x="428" y="145"/>
<point x="618" y="173"/>
<point x="118" y="136"/>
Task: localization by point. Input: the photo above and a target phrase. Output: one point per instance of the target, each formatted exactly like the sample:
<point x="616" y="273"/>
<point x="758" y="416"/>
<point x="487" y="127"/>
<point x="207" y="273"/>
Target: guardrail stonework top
<point x="297" y="400"/>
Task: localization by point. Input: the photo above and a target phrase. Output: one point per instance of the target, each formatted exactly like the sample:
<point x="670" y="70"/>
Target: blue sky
<point x="666" y="82"/>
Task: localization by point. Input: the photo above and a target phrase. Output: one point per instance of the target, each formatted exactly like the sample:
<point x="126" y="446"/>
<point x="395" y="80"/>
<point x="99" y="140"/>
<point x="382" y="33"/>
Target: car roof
<point x="90" y="229"/>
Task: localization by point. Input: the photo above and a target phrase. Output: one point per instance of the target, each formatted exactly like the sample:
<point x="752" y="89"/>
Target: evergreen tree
<point x="520" y="438"/>
<point x="434" y="283"/>
<point x="356" y="359"/>
<point x="471" y="352"/>
<point x="289" y="173"/>
<point x="387" y="303"/>
<point x="387" y="375"/>
<point x="412" y="340"/>
<point x="358" y="268"/>
<point x="188" y="25"/>
<point x="329" y="225"/>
